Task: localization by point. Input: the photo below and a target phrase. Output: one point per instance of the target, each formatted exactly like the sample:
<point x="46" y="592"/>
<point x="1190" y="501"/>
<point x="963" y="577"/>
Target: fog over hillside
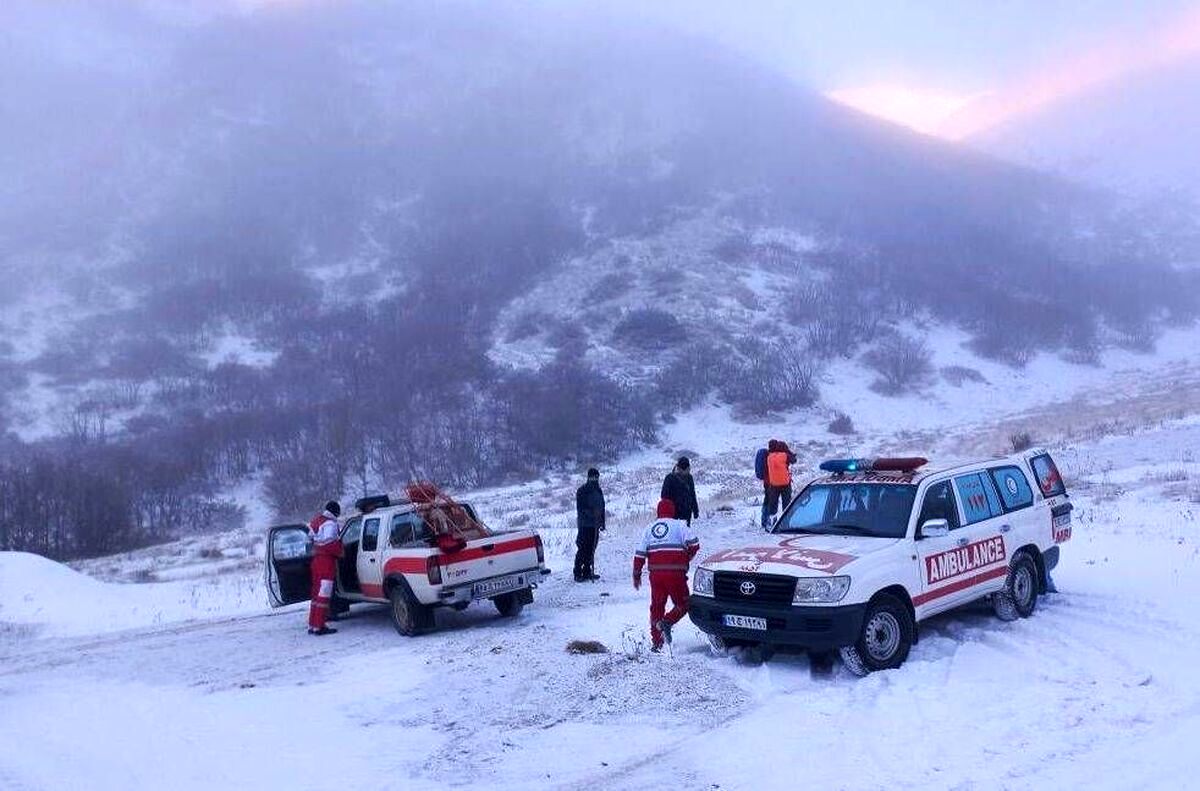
<point x="333" y="246"/>
<point x="1135" y="134"/>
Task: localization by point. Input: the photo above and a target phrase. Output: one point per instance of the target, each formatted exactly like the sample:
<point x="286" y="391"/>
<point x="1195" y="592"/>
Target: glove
<point x="637" y="582"/>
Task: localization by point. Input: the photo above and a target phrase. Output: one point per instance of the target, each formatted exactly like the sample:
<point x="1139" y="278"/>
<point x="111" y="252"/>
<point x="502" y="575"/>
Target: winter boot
<point x="665" y="629"/>
<point x="324" y="630"/>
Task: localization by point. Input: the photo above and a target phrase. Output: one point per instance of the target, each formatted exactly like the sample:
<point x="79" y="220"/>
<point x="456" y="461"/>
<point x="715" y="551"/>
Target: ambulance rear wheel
<point x="886" y="638"/>
<point x="409" y="616"/>
<point x="1019" y="597"/>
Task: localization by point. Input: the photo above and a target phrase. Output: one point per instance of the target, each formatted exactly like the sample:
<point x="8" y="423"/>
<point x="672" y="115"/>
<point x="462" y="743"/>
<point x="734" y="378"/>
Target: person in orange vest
<point x="778" y="488"/>
<point x="327" y="548"/>
<point x="667" y="547"/>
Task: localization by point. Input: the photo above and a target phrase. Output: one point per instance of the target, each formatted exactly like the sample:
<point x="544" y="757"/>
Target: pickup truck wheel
<point x="885" y="640"/>
<point x="1019" y="597"/>
<point x="509" y="604"/>
<point x="409" y="616"/>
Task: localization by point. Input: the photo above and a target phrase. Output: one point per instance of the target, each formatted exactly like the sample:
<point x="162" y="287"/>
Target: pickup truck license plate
<point x="746" y="622"/>
<point x="487" y="588"/>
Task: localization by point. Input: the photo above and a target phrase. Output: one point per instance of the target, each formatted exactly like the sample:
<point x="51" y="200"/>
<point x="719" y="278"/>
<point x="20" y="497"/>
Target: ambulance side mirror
<point x="934" y="528"/>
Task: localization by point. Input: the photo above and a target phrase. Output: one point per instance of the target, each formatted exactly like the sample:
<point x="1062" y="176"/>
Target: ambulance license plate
<point x="485" y="588"/>
<point x="1061" y="526"/>
<point x="746" y="622"/>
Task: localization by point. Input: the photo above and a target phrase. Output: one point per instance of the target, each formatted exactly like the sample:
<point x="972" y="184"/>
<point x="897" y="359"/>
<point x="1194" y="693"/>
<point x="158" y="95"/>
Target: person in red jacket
<point x="668" y="546"/>
<point x="327" y="548"/>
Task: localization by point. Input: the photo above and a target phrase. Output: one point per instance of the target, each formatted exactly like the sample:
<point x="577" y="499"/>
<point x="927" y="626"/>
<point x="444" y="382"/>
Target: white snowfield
<point x="205" y="689"/>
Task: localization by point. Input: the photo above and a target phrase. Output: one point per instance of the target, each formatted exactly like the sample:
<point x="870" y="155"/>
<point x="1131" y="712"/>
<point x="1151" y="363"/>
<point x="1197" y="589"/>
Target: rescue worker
<point x="589" y="521"/>
<point x="667" y="547"/>
<point x="327" y="548"/>
<point x="680" y="489"/>
<point x="778" y="479"/>
<point x="760" y="472"/>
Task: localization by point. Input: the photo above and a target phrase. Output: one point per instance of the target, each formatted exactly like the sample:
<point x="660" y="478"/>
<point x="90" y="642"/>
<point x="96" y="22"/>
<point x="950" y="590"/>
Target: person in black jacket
<point x="589" y="514"/>
<point x="679" y="488"/>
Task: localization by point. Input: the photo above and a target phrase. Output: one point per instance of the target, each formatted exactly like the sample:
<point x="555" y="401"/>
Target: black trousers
<point x="773" y="497"/>
<point x="585" y="551"/>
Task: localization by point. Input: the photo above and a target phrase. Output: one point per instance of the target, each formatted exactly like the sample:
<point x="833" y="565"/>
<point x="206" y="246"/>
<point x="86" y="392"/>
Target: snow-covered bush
<point x="841" y="425"/>
<point x="902" y="363"/>
<point x="649" y="329"/>
<point x="957" y="375"/>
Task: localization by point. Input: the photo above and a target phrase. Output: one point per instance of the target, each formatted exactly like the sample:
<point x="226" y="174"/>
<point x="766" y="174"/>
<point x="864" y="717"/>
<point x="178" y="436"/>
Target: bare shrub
<point x="822" y="340"/>
<point x="957" y="375"/>
<point x="649" y="329"/>
<point x="527" y="325"/>
<point x="842" y="333"/>
<point x="901" y="362"/>
<point x="807" y="302"/>
<point x="733" y="249"/>
<point x="1138" y="336"/>
<point x="608" y="288"/>
<point x="841" y="425"/>
<point x="1020" y="440"/>
<point x="773" y="377"/>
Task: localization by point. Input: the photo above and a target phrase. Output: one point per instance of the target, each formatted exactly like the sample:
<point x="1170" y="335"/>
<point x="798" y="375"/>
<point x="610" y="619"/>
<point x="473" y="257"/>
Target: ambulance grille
<point x="768" y="588"/>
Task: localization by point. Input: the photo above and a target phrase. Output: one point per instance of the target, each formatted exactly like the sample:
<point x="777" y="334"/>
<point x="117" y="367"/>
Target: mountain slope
<point x="315" y="246"/>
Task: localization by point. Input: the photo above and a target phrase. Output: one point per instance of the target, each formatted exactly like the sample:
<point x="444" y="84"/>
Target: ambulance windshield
<point x="866" y="509"/>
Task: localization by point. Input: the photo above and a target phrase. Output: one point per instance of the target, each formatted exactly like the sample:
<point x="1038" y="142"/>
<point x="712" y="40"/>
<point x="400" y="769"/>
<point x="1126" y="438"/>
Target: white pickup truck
<point x="866" y="552"/>
<point x="415" y="557"/>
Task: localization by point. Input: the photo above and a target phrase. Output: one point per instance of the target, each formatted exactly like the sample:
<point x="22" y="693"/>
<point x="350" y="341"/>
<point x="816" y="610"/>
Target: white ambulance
<point x="866" y="552"/>
<point x="415" y="554"/>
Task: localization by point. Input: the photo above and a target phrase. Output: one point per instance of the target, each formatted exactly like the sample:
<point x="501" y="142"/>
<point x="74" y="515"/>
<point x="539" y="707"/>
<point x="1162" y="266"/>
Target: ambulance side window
<point x="1013" y="486"/>
<point x="370" y="535"/>
<point x="939" y="504"/>
<point x="978" y="497"/>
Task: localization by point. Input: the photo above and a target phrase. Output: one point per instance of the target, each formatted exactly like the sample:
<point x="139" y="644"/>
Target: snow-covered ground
<point x="191" y="683"/>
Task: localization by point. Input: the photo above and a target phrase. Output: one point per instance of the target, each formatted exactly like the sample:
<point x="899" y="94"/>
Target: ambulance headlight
<point x="820" y="590"/>
<point x="702" y="583"/>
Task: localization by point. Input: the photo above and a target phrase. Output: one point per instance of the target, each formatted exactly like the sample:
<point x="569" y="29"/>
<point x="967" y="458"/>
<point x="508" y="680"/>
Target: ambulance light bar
<point x="904" y="464"/>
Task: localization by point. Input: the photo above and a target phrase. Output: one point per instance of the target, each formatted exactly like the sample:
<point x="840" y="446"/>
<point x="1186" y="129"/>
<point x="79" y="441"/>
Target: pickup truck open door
<point x="289" y="563"/>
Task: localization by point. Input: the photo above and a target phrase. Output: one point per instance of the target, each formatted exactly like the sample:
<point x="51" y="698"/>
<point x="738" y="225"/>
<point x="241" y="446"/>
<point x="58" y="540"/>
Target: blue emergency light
<point x="846" y="465"/>
<point x="902" y="464"/>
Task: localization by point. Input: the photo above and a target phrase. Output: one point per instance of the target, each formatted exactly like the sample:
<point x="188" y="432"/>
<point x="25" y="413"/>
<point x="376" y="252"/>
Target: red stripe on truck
<point x="417" y="565"/>
<point x="405" y="566"/>
<point x="477" y="552"/>
<point x="962" y="584"/>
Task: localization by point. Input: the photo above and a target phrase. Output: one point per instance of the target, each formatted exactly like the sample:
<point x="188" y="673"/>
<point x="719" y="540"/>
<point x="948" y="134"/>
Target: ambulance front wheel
<point x="886" y="637"/>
